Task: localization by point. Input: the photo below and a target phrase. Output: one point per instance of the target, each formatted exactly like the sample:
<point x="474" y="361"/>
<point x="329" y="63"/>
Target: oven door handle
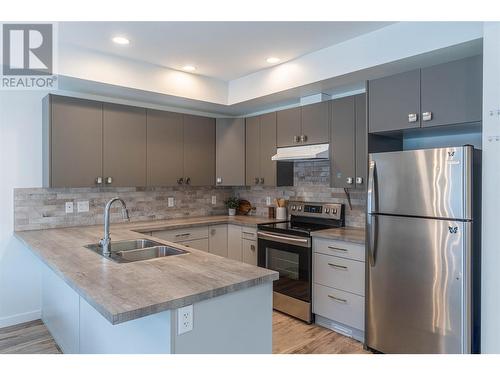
<point x="292" y="240"/>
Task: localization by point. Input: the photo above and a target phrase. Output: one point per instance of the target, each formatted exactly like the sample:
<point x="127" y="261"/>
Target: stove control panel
<point x="320" y="210"/>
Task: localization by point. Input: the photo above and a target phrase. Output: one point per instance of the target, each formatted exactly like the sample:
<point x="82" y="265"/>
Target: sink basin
<point x="136" y="250"/>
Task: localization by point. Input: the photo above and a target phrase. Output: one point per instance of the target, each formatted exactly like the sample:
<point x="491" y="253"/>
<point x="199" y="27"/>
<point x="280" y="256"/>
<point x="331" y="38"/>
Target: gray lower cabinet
<point x="199" y="150"/>
<point x="288" y="127"/>
<point x="165" y="146"/>
<point x="260" y="147"/>
<point x="72" y="145"/>
<point x="452" y="92"/>
<point x="249" y="252"/>
<point x="218" y="240"/>
<point x="124" y="145"/>
<point x="348" y="153"/>
<point x="230" y="152"/>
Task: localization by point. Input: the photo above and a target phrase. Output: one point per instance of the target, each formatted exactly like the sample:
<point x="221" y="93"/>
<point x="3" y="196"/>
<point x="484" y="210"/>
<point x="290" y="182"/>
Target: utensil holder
<point x="281" y="213"/>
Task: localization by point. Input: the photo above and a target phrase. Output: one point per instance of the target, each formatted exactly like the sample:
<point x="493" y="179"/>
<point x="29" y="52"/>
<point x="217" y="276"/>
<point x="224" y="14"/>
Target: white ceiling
<point x="221" y="50"/>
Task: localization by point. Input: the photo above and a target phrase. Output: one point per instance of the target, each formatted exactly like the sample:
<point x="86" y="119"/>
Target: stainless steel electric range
<point x="286" y="247"/>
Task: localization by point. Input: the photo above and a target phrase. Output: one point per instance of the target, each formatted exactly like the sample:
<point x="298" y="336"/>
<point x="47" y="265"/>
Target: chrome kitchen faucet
<point x="105" y="242"/>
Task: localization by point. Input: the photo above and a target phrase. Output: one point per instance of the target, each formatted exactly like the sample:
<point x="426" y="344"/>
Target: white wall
<point x="490" y="304"/>
<point x="20" y="166"/>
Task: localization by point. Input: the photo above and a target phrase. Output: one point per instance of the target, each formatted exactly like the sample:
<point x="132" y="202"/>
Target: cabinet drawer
<point x="180" y="235"/>
<point x="337" y="248"/>
<point x="340" y="273"/>
<point x="201" y="244"/>
<point x="343" y="307"/>
<point x="249" y="252"/>
<point x="249" y="233"/>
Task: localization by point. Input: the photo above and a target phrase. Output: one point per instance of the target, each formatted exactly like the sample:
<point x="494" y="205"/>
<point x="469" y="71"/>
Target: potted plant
<point x="232" y="204"/>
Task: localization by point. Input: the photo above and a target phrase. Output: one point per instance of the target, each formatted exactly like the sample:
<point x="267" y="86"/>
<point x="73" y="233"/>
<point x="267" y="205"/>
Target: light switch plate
<point x="268" y="201"/>
<point x="82" y="206"/>
<point x="170" y="202"/>
<point x="214" y="199"/>
<point x="184" y="319"/>
<point x="69" y="207"/>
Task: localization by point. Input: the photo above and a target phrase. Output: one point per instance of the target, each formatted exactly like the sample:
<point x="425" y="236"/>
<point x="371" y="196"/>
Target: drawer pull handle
<point x="182" y="234"/>
<point x="249" y="233"/>
<point x="338" y="266"/>
<point x="337" y="299"/>
<point x="337" y="248"/>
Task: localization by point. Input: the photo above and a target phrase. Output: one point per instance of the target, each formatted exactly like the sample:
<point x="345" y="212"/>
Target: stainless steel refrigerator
<point x="423" y="211"/>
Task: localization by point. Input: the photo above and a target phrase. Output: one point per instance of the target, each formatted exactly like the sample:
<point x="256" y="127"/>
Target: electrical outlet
<point x="184" y="319"/>
<point x="170" y="201"/>
<point x="82" y="206"/>
<point x="69" y="207"/>
<point x="214" y="199"/>
<point x="268" y="201"/>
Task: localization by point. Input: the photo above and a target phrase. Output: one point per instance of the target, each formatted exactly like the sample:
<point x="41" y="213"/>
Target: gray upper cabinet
<point x="72" y="142"/>
<point x="199" y="150"/>
<point x="164" y="148"/>
<point x="288" y="127"/>
<point x="394" y="102"/>
<point x="348" y="153"/>
<point x="230" y="152"/>
<point x="452" y="92"/>
<point x="260" y="148"/>
<point x="314" y="120"/>
<point x="252" y="150"/>
<point x="303" y="125"/>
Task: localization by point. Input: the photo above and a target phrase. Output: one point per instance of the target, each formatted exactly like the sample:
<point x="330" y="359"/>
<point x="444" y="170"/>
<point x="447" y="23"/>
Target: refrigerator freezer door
<point x="429" y="183"/>
<point x="416" y="289"/>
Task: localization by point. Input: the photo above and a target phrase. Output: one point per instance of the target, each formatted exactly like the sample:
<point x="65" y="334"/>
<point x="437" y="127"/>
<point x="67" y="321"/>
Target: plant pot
<point x="232" y="211"/>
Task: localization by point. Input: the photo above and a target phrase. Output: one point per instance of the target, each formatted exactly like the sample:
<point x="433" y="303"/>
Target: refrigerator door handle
<point x="371" y="205"/>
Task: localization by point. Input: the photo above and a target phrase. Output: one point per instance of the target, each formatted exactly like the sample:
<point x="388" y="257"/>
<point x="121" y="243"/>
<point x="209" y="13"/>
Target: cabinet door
<point x="199" y="150"/>
<point x="249" y="252"/>
<point x="217" y="240"/>
<point x="315" y="123"/>
<point x="267" y="149"/>
<point x="124" y="145"/>
<point x="252" y="150"/>
<point x="452" y="92"/>
<point x="201" y="244"/>
<point x="342" y="154"/>
<point x="75" y="142"/>
<point x="288" y="127"/>
<point x="234" y="242"/>
<point x="391" y="101"/>
<point x="361" y="141"/>
<point x="230" y="152"/>
<point x="164" y="147"/>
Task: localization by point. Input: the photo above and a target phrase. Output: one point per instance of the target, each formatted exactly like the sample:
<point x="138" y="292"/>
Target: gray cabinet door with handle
<point x="394" y="102"/>
<point x="314" y="120"/>
<point x="73" y="130"/>
<point x="361" y="141"/>
<point x="288" y="127"/>
<point x="230" y="152"/>
<point x="252" y="150"/>
<point x="124" y="145"/>
<point x="343" y="153"/>
<point x="267" y="149"/>
<point x="164" y="148"/>
<point x="199" y="150"/>
<point x="452" y="92"/>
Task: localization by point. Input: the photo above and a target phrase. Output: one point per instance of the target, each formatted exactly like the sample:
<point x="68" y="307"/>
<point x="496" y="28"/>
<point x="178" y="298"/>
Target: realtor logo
<point x="28" y="56"/>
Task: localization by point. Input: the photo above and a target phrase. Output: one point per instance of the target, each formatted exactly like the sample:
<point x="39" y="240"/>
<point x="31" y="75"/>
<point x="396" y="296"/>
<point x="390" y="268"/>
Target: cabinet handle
<point x="219" y="180"/>
<point x="212" y="232"/>
<point x="359" y="180"/>
<point x="98" y="180"/>
<point x="296" y="139"/>
<point x="262" y="180"/>
<point x="337" y="266"/>
<point x="249" y="233"/>
<point x="252" y="247"/>
<point x="341" y="300"/>
<point x="109" y="180"/>
<point x="303" y="138"/>
<point x="188" y="181"/>
<point x="349" y="180"/>
<point x="337" y="248"/>
<point x="182" y="234"/>
<point x="180" y="181"/>
<point x="412" y="117"/>
<point x="256" y="180"/>
<point x="426" y="116"/>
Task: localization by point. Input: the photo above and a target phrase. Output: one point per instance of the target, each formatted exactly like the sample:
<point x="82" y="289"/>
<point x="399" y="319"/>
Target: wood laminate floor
<point x="290" y="336"/>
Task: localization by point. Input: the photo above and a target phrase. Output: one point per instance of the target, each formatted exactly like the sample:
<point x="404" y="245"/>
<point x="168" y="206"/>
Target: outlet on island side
<point x="68" y="207"/>
<point x="184" y="319"/>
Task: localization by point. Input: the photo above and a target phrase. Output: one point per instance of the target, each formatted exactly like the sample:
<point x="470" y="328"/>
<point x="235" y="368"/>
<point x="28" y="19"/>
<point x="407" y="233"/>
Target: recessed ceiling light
<point x="189" y="68"/>
<point x="272" y="60"/>
<point x="121" y="40"/>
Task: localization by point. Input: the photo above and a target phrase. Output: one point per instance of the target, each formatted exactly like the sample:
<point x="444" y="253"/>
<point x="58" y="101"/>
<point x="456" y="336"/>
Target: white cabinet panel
<point x="201" y="244"/>
<point x="217" y="240"/>
<point x="339" y="248"/>
<point x="234" y="242"/>
<point x="345" y="274"/>
<point x="249" y="252"/>
<point x="181" y="235"/>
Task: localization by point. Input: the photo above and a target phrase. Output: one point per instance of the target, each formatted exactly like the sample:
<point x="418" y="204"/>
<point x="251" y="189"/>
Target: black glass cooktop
<point x="295" y="227"/>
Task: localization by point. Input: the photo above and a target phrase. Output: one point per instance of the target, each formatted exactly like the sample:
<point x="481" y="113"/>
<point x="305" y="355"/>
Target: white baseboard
<point x="20" y="318"/>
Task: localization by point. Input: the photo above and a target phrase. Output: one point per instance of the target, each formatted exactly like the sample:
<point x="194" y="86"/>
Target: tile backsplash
<point x="42" y="208"/>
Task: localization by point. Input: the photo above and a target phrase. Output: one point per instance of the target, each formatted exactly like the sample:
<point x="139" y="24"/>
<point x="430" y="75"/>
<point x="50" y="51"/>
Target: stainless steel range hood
<point x="297" y="153"/>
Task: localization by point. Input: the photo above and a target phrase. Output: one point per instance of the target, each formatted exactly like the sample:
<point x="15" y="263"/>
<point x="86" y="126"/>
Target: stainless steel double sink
<point x="136" y="250"/>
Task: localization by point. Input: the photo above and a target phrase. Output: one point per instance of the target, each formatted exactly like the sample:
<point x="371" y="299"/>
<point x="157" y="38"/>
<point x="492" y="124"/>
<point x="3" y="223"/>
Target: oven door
<point x="291" y="257"/>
